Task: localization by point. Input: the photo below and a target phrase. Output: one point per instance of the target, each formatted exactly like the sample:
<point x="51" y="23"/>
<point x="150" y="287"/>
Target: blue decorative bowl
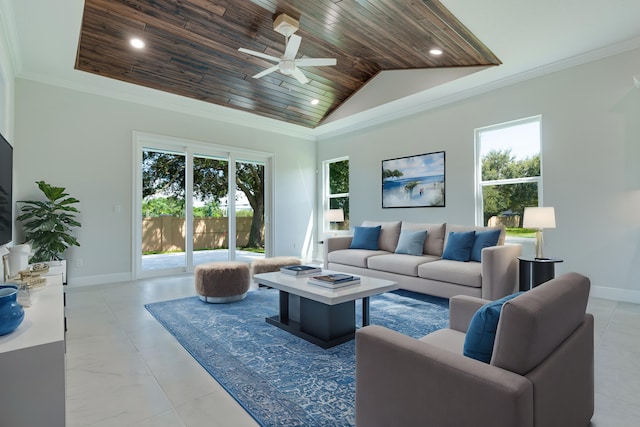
<point x="11" y="313"/>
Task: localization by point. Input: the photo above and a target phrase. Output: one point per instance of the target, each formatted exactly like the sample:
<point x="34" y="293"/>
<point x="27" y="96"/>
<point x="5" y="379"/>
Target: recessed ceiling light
<point x="435" y="51"/>
<point x="315" y="101"/>
<point x="137" y="43"/>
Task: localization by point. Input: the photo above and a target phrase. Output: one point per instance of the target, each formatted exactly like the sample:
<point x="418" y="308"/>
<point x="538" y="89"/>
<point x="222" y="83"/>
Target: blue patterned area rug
<point x="280" y="379"/>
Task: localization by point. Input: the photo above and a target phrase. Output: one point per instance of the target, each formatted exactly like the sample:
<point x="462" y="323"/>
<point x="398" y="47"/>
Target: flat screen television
<point x="6" y="190"/>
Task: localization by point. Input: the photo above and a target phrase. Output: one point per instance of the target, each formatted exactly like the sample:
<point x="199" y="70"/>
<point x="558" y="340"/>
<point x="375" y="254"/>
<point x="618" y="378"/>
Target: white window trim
<point x="326" y="197"/>
<point x="479" y="183"/>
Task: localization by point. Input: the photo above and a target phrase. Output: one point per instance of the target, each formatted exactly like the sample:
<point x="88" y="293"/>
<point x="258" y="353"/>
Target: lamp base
<point x="539" y="245"/>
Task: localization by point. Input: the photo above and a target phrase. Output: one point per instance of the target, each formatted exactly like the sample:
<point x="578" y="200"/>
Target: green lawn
<point x="521" y="232"/>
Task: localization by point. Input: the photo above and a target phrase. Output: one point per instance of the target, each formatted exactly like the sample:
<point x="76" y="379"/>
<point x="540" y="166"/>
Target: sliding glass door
<point x="189" y="211"/>
<point x="249" y="212"/>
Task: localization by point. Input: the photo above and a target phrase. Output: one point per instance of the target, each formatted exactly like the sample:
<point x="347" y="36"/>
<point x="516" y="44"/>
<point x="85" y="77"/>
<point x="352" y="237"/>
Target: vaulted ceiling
<point x="191" y="48"/>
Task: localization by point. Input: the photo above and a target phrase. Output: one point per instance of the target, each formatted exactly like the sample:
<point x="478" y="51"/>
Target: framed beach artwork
<point x="414" y="181"/>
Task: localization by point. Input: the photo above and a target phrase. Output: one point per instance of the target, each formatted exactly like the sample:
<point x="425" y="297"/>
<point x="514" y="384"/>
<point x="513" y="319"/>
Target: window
<point x="508" y="173"/>
<point x="336" y="191"/>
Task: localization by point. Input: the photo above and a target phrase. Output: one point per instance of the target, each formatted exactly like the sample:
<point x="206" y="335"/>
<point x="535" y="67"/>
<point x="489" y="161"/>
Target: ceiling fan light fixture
<point x="435" y="51"/>
<point x="287" y="67"/>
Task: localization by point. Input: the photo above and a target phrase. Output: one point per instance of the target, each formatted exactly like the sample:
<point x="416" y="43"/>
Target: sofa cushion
<point x="535" y="324"/>
<point x="434" y="243"/>
<point x="411" y="242"/>
<point x="353" y="257"/>
<point x="365" y="238"/>
<point x="481" y="333"/>
<point x="458" y="247"/>
<point x="389" y="234"/>
<point x="456" y="228"/>
<point x="461" y="273"/>
<point x="483" y="239"/>
<point x="399" y="263"/>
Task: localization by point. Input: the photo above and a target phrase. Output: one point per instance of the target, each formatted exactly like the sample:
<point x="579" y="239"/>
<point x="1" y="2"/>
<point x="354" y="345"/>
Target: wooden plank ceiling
<point x="192" y="48"/>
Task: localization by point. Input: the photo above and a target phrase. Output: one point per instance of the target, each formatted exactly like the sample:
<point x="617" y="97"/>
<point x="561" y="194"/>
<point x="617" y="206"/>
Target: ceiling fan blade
<point x="259" y="54"/>
<point x="299" y="75"/>
<point x="315" y="62"/>
<point x="267" y="71"/>
<point x="292" y="47"/>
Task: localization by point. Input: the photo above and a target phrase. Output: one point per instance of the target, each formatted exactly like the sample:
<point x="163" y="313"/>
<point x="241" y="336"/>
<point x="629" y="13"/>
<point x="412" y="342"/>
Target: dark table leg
<point x="525" y="275"/>
<point x="284" y="307"/>
<point x="365" y="311"/>
<point x="542" y="272"/>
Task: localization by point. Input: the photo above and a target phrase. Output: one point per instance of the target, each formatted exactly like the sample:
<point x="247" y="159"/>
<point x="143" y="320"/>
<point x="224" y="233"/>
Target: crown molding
<point x="389" y="112"/>
<point x="87" y="83"/>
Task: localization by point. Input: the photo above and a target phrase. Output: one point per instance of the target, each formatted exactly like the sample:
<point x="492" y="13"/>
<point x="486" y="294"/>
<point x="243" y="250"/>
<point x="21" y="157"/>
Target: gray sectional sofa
<point x="492" y="278"/>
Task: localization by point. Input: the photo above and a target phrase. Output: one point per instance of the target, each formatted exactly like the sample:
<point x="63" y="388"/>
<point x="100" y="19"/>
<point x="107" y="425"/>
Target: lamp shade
<point x="334" y="215"/>
<point x="539" y="217"/>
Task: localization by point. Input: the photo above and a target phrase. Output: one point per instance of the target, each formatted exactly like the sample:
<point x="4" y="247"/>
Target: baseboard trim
<point x="99" y="280"/>
<point x="616" y="294"/>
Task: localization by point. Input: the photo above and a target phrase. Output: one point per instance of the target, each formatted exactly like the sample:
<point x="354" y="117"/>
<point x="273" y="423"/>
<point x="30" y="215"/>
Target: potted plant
<point x="48" y="224"/>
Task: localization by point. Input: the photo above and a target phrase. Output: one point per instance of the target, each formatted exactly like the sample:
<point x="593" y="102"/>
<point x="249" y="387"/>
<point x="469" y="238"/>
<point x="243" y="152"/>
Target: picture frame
<point x="414" y="181"/>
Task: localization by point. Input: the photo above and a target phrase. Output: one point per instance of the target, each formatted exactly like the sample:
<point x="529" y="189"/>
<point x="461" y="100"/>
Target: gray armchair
<point x="540" y="374"/>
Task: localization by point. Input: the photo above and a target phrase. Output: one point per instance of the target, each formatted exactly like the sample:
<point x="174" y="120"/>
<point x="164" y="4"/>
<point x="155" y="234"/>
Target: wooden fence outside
<point x="167" y="233"/>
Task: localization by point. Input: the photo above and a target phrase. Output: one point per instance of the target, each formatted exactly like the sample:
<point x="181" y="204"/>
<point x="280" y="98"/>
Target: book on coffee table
<point x="300" y="270"/>
<point x="333" y="281"/>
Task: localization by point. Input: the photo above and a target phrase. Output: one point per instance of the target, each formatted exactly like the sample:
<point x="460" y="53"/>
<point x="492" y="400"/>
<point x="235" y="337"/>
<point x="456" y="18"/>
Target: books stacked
<point x="334" y="281"/>
<point x="300" y="270"/>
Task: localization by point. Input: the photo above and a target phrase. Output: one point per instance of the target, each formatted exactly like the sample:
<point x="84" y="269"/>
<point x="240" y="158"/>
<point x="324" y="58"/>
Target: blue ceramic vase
<point x="11" y="313"/>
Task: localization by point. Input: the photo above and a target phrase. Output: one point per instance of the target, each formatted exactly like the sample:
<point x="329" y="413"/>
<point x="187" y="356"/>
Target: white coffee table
<point x="325" y="317"/>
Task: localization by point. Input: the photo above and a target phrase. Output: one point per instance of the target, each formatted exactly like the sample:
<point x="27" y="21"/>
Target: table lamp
<point x="334" y="215"/>
<point x="539" y="218"/>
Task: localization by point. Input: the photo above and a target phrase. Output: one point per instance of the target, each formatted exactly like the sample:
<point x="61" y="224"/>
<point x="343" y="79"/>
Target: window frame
<point x="479" y="183"/>
<point x="327" y="196"/>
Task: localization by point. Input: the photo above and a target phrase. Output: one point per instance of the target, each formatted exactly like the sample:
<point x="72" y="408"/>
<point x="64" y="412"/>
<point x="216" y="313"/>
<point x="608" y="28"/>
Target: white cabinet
<point x="32" y="366"/>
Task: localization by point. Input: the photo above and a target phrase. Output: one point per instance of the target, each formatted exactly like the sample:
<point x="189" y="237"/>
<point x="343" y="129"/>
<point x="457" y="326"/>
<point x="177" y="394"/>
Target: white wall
<point x="84" y="142"/>
<point x="591" y="164"/>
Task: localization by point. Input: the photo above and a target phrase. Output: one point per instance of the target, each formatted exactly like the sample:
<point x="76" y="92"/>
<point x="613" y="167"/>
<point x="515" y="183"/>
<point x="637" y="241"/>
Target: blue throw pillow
<point x="478" y="344"/>
<point x="459" y="246"/>
<point x="411" y="242"/>
<point x="483" y="239"/>
<point x="365" y="238"/>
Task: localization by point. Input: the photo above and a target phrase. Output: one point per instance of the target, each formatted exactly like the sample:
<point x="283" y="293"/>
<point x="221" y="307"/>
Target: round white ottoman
<point x="221" y="282"/>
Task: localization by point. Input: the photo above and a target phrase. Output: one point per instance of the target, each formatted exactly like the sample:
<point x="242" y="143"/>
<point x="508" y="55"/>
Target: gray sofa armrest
<point x="402" y="381"/>
<point x="335" y="244"/>
<point x="500" y="270"/>
<point x="461" y="310"/>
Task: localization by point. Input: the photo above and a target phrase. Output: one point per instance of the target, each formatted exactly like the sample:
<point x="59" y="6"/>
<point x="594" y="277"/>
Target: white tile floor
<point x="124" y="369"/>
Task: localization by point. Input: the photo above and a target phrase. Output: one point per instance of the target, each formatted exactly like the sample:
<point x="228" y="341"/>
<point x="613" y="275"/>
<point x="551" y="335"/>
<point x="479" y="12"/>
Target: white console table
<point x="32" y="364"/>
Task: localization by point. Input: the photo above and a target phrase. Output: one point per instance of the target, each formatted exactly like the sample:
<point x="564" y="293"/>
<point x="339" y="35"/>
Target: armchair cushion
<point x="481" y="334"/>
<point x="365" y="238"/>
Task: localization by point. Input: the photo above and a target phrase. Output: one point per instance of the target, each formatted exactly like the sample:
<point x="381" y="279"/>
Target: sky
<point x="418" y="166"/>
<point x="524" y="140"/>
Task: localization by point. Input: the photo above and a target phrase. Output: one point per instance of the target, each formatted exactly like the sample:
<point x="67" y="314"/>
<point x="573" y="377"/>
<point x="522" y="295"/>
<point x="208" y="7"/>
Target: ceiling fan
<point x="287" y="64"/>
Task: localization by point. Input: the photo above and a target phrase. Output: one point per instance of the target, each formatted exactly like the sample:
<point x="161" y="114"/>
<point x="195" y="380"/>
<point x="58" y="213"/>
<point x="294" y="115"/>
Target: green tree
<point x="209" y="210"/>
<point x="388" y="173"/>
<point x="499" y="165"/>
<point x="339" y="184"/>
<point x="157" y="206"/>
<point x="164" y="173"/>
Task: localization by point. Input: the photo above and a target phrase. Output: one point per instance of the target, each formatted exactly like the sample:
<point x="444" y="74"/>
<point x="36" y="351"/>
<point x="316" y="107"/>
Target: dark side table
<point x="535" y="271"/>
